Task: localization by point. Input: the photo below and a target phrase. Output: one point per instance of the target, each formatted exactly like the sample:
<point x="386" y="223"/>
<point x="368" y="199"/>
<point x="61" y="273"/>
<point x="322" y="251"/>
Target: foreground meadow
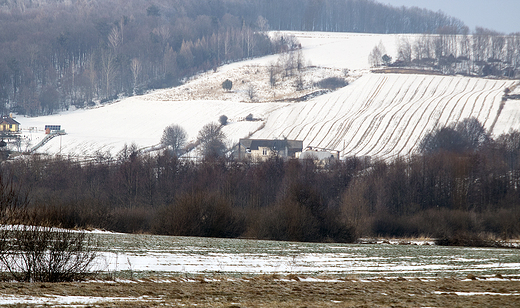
<point x="137" y="270"/>
<point x="267" y="291"/>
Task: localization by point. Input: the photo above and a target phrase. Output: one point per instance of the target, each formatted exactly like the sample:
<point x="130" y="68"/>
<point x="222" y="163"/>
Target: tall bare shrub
<point x="30" y="252"/>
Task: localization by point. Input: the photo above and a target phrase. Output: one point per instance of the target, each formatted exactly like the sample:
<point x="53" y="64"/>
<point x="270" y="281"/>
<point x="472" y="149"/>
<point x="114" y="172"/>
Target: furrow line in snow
<point x="341" y="120"/>
<point x="493" y="105"/>
<point x="378" y="119"/>
<point x="362" y="121"/>
<point x="401" y="131"/>
<point x="408" y="104"/>
<point x="343" y="101"/>
<point x="432" y="89"/>
<point x="346" y="132"/>
<point x="406" y="132"/>
<point x="431" y="113"/>
<point x="451" y="107"/>
<point x="313" y="117"/>
<point x="348" y="120"/>
<point x="459" y="114"/>
<point x="488" y="101"/>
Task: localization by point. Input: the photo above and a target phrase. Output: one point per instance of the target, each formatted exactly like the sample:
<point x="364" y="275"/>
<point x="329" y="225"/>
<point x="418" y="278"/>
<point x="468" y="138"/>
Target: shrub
<point x="31" y="252"/>
<point x="332" y="83"/>
<point x="199" y="214"/>
<point x="35" y="253"/>
<point x="227" y="85"/>
<point x="223" y="120"/>
<point x="465" y="239"/>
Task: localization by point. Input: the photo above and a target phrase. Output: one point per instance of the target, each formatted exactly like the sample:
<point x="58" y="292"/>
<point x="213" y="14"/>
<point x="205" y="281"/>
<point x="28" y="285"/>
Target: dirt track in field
<point x="268" y="291"/>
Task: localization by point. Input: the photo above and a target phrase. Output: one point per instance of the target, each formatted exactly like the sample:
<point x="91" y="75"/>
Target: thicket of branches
<point x="438" y="193"/>
<point x="31" y="250"/>
<point x="54" y="54"/>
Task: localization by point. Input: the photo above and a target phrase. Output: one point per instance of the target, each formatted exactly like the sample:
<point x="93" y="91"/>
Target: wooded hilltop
<point x="56" y="54"/>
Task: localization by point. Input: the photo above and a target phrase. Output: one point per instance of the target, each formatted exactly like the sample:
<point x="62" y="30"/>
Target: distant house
<point x="319" y="154"/>
<point x="264" y="148"/>
<point x="52" y="128"/>
<point x="8" y="124"/>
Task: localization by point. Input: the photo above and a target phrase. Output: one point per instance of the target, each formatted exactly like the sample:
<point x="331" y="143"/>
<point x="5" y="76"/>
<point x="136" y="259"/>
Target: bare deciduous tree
<point x="251" y="92"/>
<point x="211" y="139"/>
<point x="135" y="66"/>
<point x="273" y="73"/>
<point x="108" y="63"/>
<point x="174" y="137"/>
<point x="374" y="58"/>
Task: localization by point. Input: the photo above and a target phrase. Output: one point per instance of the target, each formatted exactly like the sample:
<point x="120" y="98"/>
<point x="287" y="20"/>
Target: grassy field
<point x="267" y="291"/>
<point x="158" y="271"/>
<point x="125" y="255"/>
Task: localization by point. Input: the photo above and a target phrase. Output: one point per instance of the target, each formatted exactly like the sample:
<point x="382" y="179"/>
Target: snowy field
<point x="161" y="271"/>
<point x="380" y="115"/>
<point x="166" y="256"/>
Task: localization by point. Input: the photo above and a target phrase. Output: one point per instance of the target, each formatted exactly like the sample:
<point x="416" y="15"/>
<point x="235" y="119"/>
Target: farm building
<point x="319" y="154"/>
<point x="9" y="124"/>
<point x="264" y="148"/>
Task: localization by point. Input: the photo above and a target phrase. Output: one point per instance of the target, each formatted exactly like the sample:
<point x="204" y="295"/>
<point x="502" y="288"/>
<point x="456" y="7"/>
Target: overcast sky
<point x="499" y="15"/>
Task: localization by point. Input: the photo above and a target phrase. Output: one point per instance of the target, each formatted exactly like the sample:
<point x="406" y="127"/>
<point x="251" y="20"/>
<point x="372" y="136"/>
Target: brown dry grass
<point x="270" y="291"/>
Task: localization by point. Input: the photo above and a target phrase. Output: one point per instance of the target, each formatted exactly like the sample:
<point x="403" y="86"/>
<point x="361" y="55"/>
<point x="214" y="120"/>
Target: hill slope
<point x="386" y="115"/>
<point x="377" y="114"/>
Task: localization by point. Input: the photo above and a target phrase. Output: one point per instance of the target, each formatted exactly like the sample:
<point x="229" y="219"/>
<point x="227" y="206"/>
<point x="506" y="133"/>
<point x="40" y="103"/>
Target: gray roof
<point x="254" y="144"/>
<point x="8" y="120"/>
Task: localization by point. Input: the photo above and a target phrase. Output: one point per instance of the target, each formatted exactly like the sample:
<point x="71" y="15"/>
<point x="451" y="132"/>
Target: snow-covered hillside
<point x="385" y="115"/>
<point x="377" y="114"/>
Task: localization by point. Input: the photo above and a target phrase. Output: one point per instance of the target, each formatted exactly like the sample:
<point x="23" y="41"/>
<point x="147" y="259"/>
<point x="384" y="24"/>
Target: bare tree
<point x="405" y="51"/>
<point x="211" y="140"/>
<point x="108" y="63"/>
<point x="115" y="38"/>
<point x="251" y="92"/>
<point x="375" y="56"/>
<point x="473" y="133"/>
<point x="31" y="251"/>
<point x="262" y="23"/>
<point x="299" y="84"/>
<point x="174" y="137"/>
<point x="300" y="60"/>
<point x="135" y="66"/>
<point x="467" y="135"/>
<point x="273" y="73"/>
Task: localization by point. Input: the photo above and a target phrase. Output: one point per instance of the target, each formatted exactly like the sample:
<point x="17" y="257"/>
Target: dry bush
<point x="200" y="214"/>
<point x="35" y="253"/>
<point x="31" y="252"/>
<point x="332" y="83"/>
<point x="464" y="238"/>
<point x="300" y="216"/>
<point x="131" y="220"/>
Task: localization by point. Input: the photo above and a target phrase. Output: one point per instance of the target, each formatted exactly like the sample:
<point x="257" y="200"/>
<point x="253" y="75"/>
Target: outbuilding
<point x="8" y="124"/>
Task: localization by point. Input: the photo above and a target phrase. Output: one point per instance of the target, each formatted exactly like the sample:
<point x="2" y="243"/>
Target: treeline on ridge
<point x="57" y="54"/>
<point x="469" y="190"/>
<point x="484" y="53"/>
